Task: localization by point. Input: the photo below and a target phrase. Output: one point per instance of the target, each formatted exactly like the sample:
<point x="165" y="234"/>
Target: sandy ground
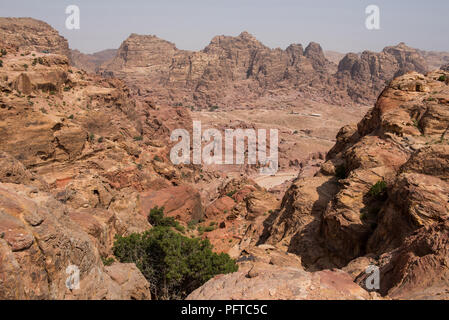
<point x="269" y="182"/>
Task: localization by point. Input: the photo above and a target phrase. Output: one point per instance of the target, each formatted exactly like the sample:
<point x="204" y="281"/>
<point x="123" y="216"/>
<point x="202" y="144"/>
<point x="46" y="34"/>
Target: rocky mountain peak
<point x="31" y="34"/>
<point x="315" y="53"/>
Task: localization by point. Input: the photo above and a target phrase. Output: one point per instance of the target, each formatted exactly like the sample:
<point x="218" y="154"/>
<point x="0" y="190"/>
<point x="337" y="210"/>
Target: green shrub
<point x="231" y="193"/>
<point x="180" y="228"/>
<point x="378" y="190"/>
<point x="442" y="78"/>
<point x="157" y="218"/>
<point x="209" y="229"/>
<point x="157" y="158"/>
<point x="138" y="138"/>
<point x="3" y="52"/>
<point x="1" y="63"/>
<point x="192" y="223"/>
<point x="107" y="261"/>
<point x="174" y="264"/>
<point x="71" y="117"/>
<point x="213" y="108"/>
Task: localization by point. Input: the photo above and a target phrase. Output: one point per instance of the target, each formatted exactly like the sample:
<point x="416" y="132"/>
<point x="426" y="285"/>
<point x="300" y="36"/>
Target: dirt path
<point x="269" y="182"/>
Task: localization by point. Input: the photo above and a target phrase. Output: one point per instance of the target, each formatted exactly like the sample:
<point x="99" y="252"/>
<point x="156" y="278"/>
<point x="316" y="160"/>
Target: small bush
<point x="108" y="261"/>
<point x="180" y="228"/>
<point x="442" y="78"/>
<point x="174" y="264"/>
<point x="231" y="193"/>
<point x="3" y="52"/>
<point x="209" y="229"/>
<point x="138" y="138"/>
<point x="25" y="66"/>
<point x="213" y="108"/>
<point x="1" y="63"/>
<point x="378" y="190"/>
<point x="157" y="218"/>
<point x="192" y="223"/>
<point x="71" y="117"/>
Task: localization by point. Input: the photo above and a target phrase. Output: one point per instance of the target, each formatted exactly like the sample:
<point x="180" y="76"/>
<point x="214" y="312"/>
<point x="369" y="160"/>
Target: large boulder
<point x="40" y="245"/>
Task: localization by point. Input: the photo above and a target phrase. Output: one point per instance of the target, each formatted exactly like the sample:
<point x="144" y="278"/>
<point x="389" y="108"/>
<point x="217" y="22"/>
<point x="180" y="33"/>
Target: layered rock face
<point x="233" y="71"/>
<point x="31" y="34"/>
<point x="382" y="194"/>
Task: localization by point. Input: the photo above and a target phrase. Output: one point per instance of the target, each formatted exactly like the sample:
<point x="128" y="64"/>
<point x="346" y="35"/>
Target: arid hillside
<point x="380" y="199"/>
<point x="85" y="158"/>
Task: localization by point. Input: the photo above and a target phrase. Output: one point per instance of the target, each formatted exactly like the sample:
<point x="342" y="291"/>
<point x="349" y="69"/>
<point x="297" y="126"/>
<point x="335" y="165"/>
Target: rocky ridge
<point x="233" y="71"/>
<point x="82" y="160"/>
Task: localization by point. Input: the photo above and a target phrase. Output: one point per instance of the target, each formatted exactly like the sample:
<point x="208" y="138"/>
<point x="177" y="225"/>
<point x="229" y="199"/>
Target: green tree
<point x="174" y="264"/>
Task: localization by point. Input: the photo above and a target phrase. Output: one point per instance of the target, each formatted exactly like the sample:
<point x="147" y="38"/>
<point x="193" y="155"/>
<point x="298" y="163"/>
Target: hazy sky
<point x="335" y="24"/>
